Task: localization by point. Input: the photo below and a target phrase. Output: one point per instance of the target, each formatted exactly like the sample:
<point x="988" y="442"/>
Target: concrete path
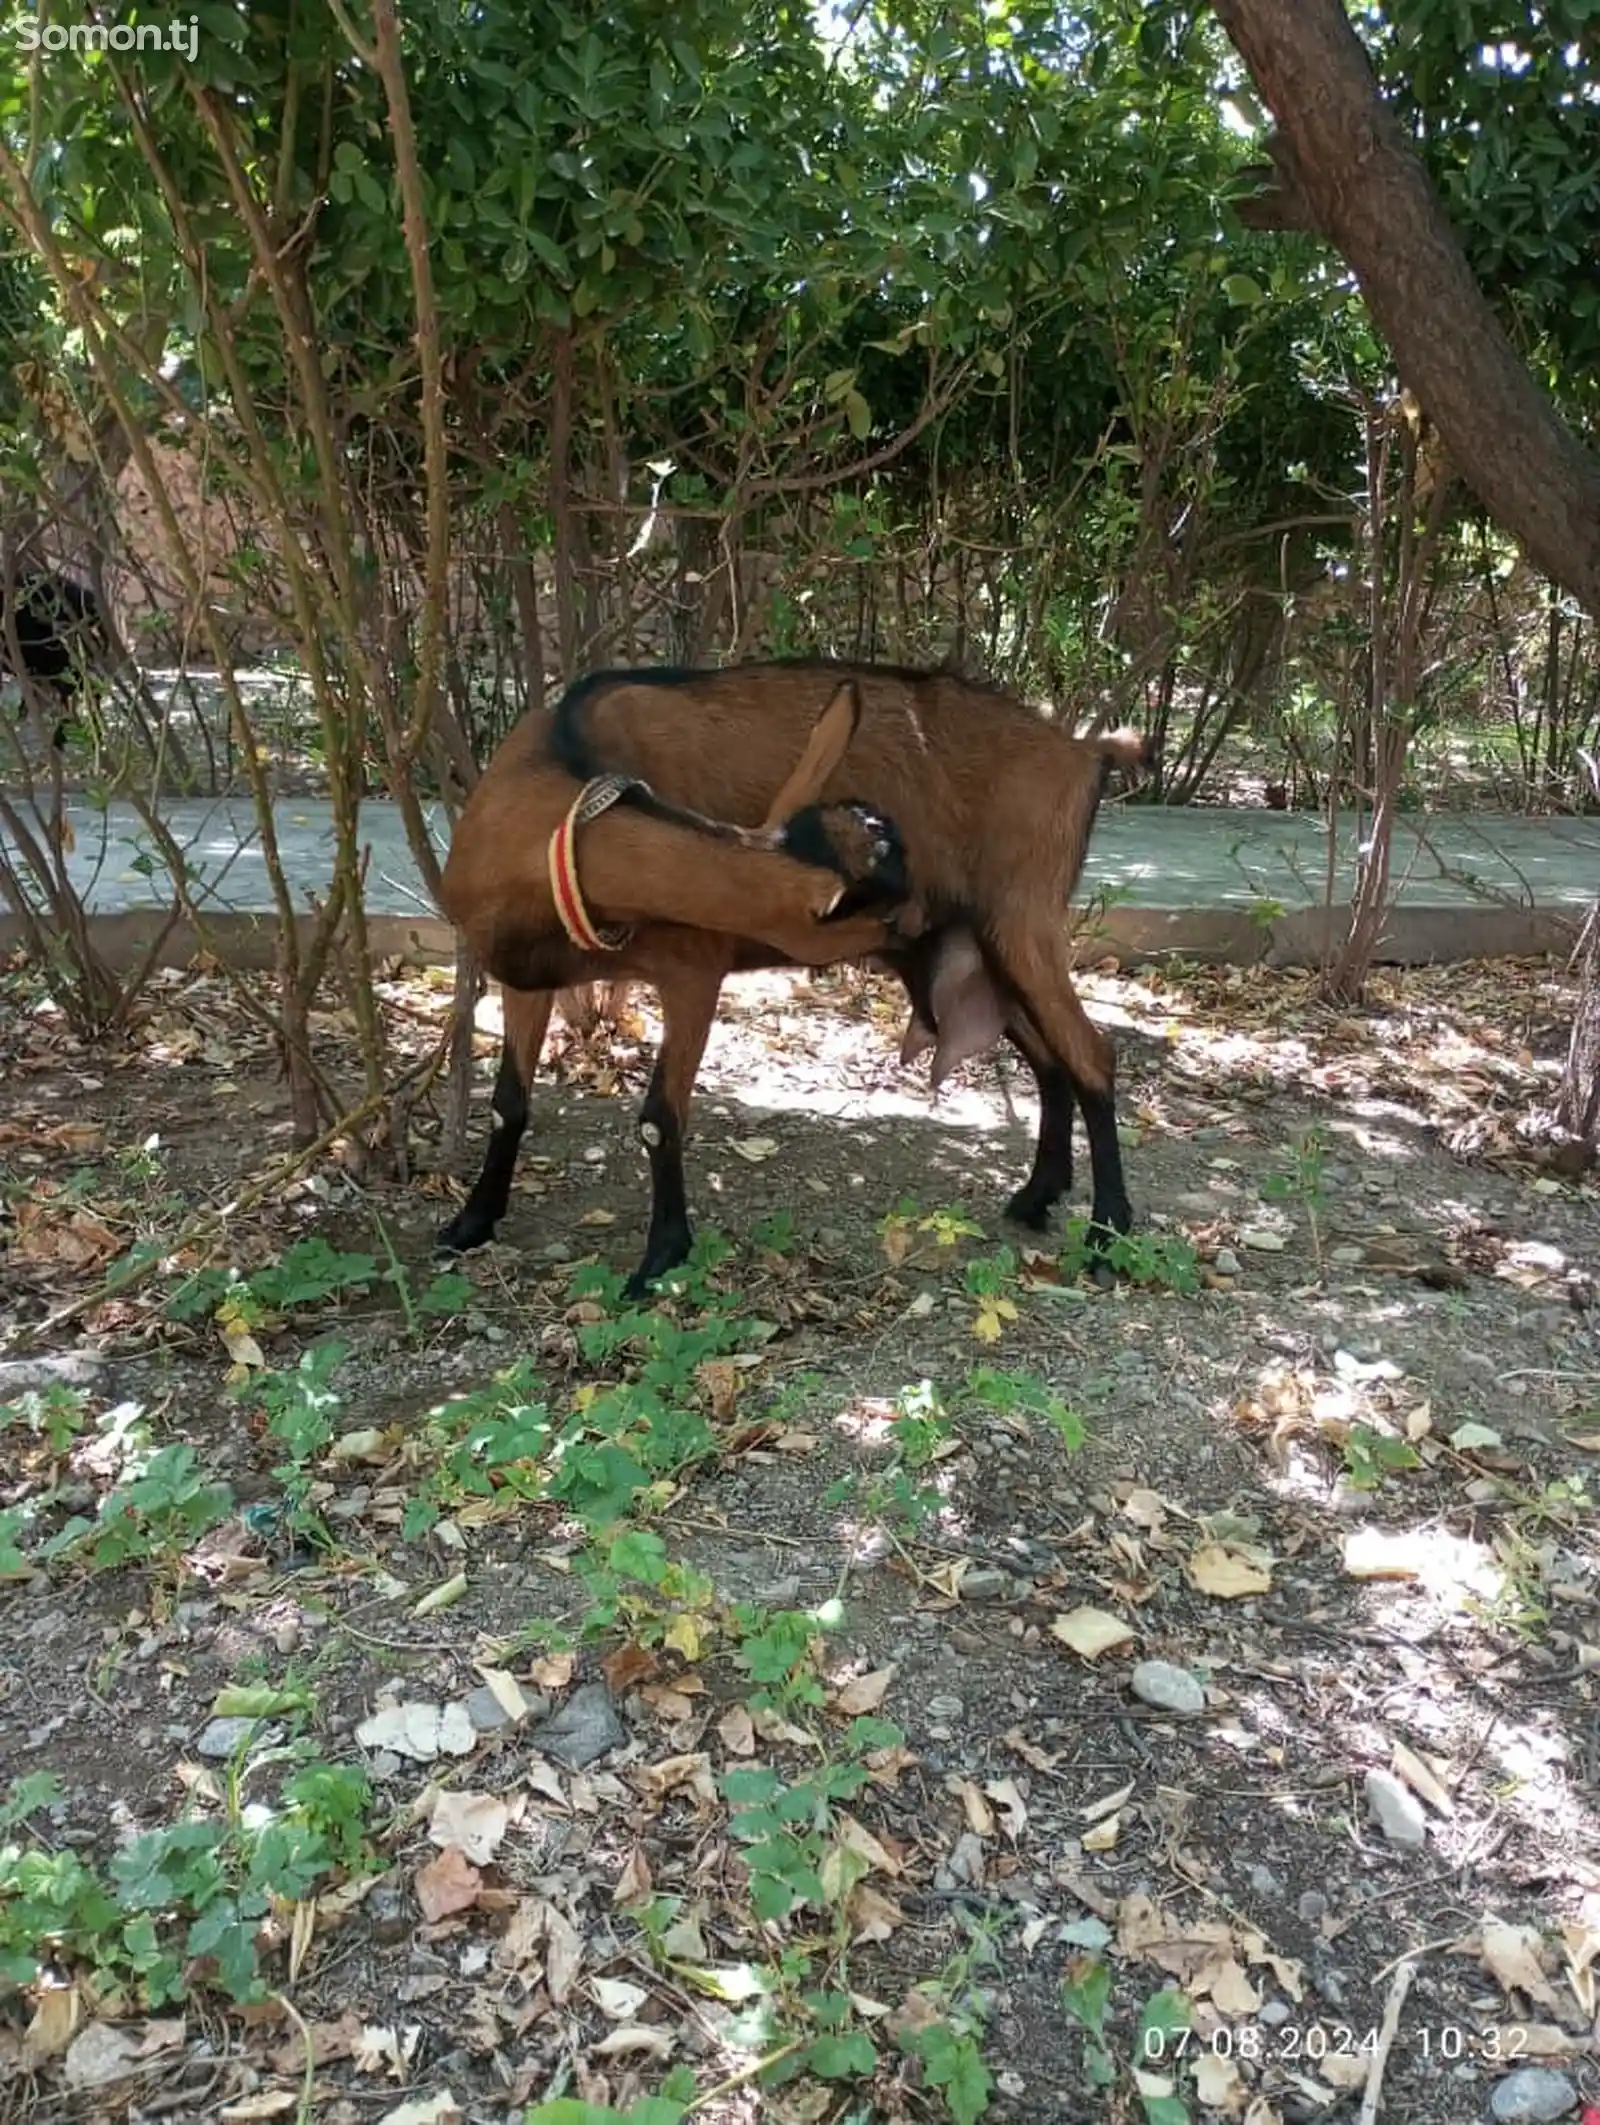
<point x="1208" y="883"/>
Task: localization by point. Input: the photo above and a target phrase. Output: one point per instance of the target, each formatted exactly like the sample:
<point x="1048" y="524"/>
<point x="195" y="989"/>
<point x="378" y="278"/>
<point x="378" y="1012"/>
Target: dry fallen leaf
<point x="54" y="2024"/>
<point x="563" y="1954"/>
<point x="856" y="1837"/>
<point x="381" y="2049"/>
<point x="1219" y="2084"/>
<point x="617" y="1999"/>
<point x="873" y="1916"/>
<point x="722" y="1380"/>
<point x="553" y="1672"/>
<point x="1228" y="1572"/>
<point x="736" y="1731"/>
<point x="635" y="1883"/>
<point x="864" y="1693"/>
<point x="1013" y="1808"/>
<point x="1511" y="1955"/>
<point x="446" y="1885"/>
<point x="979" y="1814"/>
<point x="470" y="1823"/>
<point x="1090" y="1631"/>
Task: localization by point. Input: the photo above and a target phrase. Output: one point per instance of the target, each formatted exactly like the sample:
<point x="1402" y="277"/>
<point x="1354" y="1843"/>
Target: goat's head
<point x="861" y="846"/>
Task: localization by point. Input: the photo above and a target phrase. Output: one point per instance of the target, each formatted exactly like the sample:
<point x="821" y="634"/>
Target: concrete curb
<point x="1414" y="936"/>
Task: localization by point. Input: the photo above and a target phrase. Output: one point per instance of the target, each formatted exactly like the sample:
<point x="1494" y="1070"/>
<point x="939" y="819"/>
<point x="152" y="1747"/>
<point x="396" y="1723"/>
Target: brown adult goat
<point x="963" y="993"/>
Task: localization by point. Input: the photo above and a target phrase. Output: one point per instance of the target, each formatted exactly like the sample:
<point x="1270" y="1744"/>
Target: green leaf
<point x="859" y="414"/>
<point x="837" y="2058"/>
<point x="1242" y="291"/>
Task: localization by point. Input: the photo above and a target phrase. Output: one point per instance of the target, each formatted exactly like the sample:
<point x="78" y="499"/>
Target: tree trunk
<point x="1343" y="168"/>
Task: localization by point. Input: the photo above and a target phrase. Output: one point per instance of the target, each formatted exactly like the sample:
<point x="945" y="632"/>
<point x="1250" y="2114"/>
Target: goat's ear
<point x="827" y="745"/>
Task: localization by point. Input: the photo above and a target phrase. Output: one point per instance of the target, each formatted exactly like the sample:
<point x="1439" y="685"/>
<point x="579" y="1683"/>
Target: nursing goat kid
<point x="962" y="995"/>
<point x="533" y="851"/>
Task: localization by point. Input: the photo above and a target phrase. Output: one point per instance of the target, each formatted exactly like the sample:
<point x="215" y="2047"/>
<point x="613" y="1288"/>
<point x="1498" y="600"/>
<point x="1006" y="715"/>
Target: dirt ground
<point x="1345" y="1485"/>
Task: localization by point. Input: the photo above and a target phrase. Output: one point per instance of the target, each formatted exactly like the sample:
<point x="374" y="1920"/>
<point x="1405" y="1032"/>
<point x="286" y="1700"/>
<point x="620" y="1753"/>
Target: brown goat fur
<point x="646" y="859"/>
<point x="994" y="803"/>
<point x="960" y="1001"/>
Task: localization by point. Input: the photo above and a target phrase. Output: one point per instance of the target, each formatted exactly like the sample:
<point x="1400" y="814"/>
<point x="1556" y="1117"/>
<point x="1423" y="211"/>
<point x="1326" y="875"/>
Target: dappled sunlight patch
<point x="1418" y="1577"/>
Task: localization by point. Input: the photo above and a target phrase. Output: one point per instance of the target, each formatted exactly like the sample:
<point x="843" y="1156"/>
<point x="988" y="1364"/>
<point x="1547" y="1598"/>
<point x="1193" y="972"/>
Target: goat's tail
<point x="1135" y="751"/>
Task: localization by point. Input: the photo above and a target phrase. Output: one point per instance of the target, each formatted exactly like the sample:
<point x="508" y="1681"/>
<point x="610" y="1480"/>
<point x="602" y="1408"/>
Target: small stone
<point x="944" y="1707"/>
<point x="1265" y="1882"/>
<point x="386" y="1911"/>
<point x="1274" y="2013"/>
<point x="1347" y="1256"/>
<point x="1226" y="1263"/>
<point x="485" y="1710"/>
<point x="1329" y="1982"/>
<point x="585" y="1728"/>
<point x="985" y="1583"/>
<point x="1312" y="1907"/>
<point x="1262" y="1239"/>
<point x="1168" y="1688"/>
<point x="966" y="1862"/>
<point x="1396" y="1810"/>
<point x="67" y="1368"/>
<point x="222" y="1739"/>
<point x="557" y="1251"/>
<point x="1533" y="2095"/>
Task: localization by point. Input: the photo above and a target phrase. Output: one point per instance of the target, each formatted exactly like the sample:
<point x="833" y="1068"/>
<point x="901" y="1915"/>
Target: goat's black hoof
<point x="658" y="1261"/>
<point x="1102" y="1234"/>
<point x="463" y="1233"/>
<point x="1030" y="1210"/>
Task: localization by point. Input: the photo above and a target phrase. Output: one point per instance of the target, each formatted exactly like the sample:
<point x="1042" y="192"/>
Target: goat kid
<point x="817" y="884"/>
<point x="959" y="1006"/>
<point x="53" y="636"/>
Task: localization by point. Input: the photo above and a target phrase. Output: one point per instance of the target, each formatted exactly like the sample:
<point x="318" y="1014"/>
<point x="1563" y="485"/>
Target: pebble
<point x="1396" y="1810"/>
<point x="221" y="1739"/>
<point x="1227" y="1263"/>
<point x="1265" y="1882"/>
<point x="1274" y="2013"/>
<point x="1347" y="1256"/>
<point x="1262" y="1240"/>
<point x="1532" y="2095"/>
<point x="557" y="1251"/>
<point x="485" y="1710"/>
<point x="985" y="1583"/>
<point x="386" y="1912"/>
<point x="942" y="1705"/>
<point x="1312" y="1907"/>
<point x="68" y="1368"/>
<point x="1168" y="1688"/>
<point x="585" y="1728"/>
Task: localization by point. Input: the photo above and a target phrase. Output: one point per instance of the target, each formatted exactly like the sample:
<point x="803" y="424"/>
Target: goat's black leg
<point x="527" y="1015"/>
<point x="1037" y="970"/>
<point x="1051" y="1177"/>
<point x="688" y="1006"/>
